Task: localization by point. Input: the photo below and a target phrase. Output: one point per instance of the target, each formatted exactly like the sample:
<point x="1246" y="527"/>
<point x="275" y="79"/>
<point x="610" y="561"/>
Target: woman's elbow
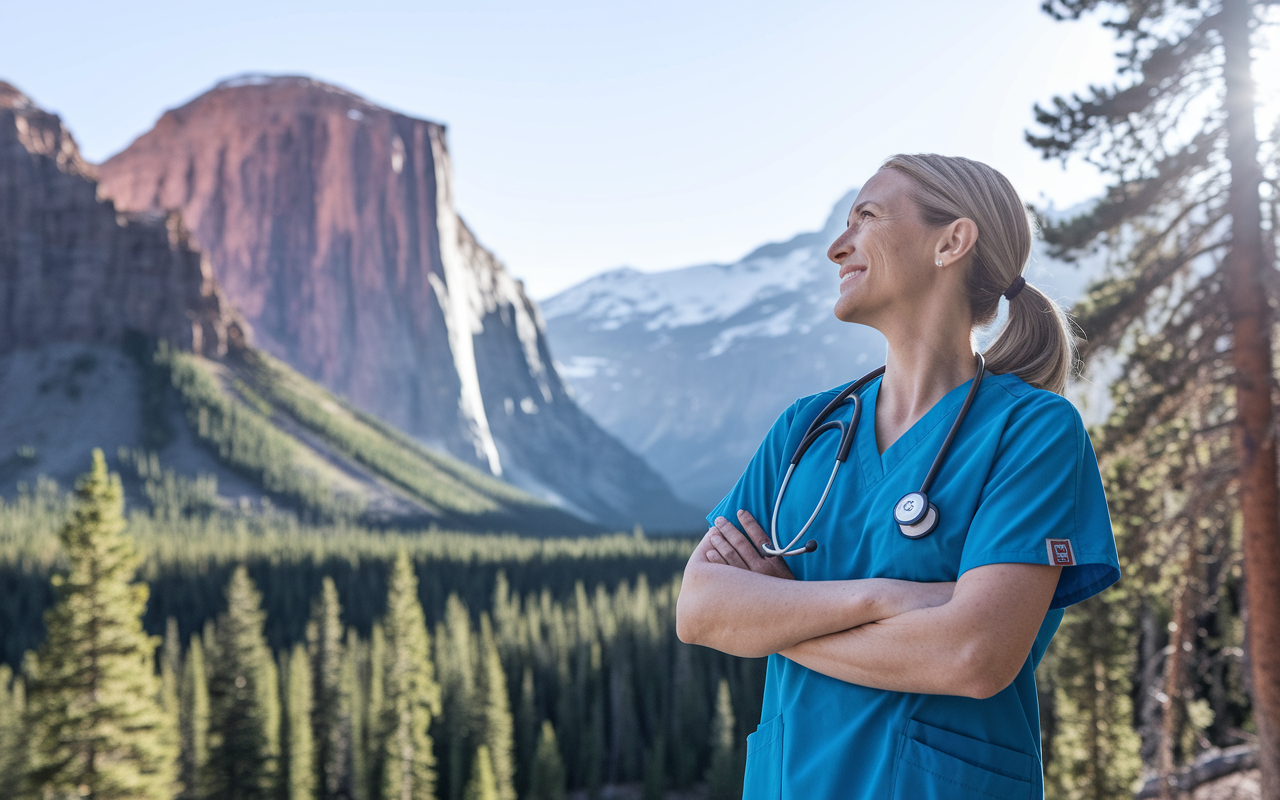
<point x="689" y="622"/>
<point x="983" y="672"/>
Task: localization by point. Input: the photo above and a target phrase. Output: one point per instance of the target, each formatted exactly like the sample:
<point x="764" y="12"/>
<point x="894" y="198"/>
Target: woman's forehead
<point x="887" y="188"/>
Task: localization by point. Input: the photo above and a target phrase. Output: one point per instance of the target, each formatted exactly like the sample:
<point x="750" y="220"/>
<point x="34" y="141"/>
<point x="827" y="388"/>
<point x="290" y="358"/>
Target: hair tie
<point x="1015" y="287"/>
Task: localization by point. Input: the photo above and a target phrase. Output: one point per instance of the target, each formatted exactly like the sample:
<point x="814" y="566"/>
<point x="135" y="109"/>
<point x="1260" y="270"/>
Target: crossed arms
<point x="967" y="638"/>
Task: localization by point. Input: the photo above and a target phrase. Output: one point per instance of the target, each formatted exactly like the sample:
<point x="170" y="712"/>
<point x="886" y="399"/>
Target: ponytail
<point x="1036" y="343"/>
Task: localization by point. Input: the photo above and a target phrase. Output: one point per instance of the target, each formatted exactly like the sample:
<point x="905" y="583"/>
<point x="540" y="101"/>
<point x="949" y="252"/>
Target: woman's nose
<point x="841" y="248"/>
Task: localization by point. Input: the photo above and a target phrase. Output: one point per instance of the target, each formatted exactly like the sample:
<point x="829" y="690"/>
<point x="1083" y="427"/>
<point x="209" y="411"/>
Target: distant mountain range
<point x="324" y="225"/>
<point x="690" y="367"/>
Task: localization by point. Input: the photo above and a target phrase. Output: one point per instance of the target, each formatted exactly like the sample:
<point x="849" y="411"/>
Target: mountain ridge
<point x="717" y="351"/>
<point x="330" y="223"/>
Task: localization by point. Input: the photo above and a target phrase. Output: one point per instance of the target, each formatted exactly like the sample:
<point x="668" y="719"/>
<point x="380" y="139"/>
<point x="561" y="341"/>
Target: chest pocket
<point x="933" y="764"/>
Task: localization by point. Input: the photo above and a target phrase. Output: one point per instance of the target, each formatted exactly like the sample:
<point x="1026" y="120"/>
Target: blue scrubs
<point x="1021" y="472"/>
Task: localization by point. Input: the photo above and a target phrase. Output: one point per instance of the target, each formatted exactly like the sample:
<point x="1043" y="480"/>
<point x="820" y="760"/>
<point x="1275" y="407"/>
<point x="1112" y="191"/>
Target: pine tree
<point x="244" y="716"/>
<point x="411" y="696"/>
<point x="526" y="729"/>
<point x="722" y="777"/>
<point x="496" y="726"/>
<point x="170" y="669"/>
<point x="688" y="721"/>
<point x="13" y="745"/>
<point x="93" y="715"/>
<point x="482" y="785"/>
<point x="331" y="715"/>
<point x="194" y="721"/>
<point x="354" y="678"/>
<point x="546" y="781"/>
<point x="300" y="747"/>
<point x="1184" y="217"/>
<point x="456" y="656"/>
<point x="375" y="705"/>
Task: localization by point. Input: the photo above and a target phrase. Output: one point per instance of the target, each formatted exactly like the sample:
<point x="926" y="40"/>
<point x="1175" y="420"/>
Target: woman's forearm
<point x="972" y="646"/>
<point x="747" y="614"/>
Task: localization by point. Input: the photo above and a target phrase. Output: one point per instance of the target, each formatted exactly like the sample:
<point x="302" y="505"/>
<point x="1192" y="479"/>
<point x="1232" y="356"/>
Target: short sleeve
<point x="755" y="490"/>
<point x="1043" y="502"/>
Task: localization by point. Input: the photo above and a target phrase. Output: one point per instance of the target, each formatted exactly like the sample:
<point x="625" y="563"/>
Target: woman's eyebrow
<point x="861" y="206"/>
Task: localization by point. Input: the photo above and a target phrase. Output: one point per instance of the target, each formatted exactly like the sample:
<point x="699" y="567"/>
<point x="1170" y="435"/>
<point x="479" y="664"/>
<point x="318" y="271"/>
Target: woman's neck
<point x="921" y="367"/>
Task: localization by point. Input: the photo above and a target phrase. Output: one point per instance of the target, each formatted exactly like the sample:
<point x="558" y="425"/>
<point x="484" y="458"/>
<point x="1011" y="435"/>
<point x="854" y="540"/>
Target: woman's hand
<point x="898" y="597"/>
<point x="726" y="544"/>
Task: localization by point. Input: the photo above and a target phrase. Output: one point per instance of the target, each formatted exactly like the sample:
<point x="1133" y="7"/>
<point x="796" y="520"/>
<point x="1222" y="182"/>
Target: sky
<point x="591" y="135"/>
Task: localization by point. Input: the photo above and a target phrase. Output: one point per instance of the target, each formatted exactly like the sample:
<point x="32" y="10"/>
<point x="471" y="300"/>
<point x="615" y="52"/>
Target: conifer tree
<point x="373" y="713"/>
<point x="354" y="678"/>
<point x="546" y="781"/>
<point x="482" y="785"/>
<point x="194" y="721"/>
<point x="496" y="724"/>
<point x="170" y="669"/>
<point x="300" y="771"/>
<point x="1184" y="216"/>
<point x="411" y="694"/>
<point x="331" y="714"/>
<point x="688" y="721"/>
<point x="13" y="745"/>
<point x="456" y="658"/>
<point x="722" y="777"/>
<point x="93" y="714"/>
<point x="244" y="715"/>
<point x="526" y="730"/>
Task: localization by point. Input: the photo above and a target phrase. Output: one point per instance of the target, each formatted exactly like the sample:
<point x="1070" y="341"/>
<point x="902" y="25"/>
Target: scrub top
<point x="1019" y="484"/>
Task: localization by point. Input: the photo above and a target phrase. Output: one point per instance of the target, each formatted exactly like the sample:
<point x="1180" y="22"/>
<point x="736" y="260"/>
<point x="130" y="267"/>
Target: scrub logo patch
<point x="1060" y="553"/>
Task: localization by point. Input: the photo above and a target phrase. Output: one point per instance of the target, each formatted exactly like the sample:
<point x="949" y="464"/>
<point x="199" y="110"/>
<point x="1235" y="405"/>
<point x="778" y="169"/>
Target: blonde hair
<point x="1036" y="343"/>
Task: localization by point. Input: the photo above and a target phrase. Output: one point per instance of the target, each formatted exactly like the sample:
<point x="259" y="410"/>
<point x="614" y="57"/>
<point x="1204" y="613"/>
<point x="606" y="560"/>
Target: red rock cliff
<point x="73" y="269"/>
<point x="331" y="226"/>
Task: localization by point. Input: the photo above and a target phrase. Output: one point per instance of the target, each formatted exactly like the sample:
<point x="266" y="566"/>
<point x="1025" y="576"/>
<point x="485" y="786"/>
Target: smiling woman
<point x="902" y="650"/>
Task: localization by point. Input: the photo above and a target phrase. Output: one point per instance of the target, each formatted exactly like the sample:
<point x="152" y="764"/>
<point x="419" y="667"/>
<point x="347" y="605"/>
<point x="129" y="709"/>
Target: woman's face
<point x="885" y="254"/>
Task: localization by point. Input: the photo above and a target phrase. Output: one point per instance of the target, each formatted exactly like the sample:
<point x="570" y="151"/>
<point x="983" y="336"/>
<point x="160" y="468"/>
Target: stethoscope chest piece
<point x="915" y="515"/>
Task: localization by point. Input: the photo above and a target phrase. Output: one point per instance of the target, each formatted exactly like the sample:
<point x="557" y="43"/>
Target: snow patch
<point x="779" y="324"/>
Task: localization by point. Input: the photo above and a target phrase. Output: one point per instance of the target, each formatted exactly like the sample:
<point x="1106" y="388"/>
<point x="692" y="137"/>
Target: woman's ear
<point x="956" y="241"/>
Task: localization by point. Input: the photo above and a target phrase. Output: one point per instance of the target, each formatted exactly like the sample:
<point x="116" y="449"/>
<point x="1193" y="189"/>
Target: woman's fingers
<point x="741" y="546"/>
<point x="754" y="531"/>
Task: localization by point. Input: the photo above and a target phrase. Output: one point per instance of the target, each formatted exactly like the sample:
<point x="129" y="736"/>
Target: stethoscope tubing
<point x="821" y="424"/>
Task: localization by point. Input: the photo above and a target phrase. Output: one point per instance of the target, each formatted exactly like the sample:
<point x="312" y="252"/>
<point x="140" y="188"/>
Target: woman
<point x="901" y="659"/>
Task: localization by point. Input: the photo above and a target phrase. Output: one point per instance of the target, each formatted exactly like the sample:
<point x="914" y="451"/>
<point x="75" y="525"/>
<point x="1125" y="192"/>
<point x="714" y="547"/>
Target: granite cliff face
<point x="330" y="223"/>
<point x="73" y="269"/>
<point x="87" y="292"/>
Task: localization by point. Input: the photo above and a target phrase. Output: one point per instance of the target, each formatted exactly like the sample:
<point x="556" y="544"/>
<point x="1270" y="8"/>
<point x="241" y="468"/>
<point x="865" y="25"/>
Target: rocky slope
<point x="204" y="420"/>
<point x="690" y="367"/>
<point x="330" y="223"/>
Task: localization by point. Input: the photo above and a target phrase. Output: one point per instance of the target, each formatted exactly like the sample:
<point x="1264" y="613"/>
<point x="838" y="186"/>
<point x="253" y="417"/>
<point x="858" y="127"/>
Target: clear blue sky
<point x="588" y="135"/>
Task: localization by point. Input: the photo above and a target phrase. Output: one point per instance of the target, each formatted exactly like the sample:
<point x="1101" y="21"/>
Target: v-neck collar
<point x="876" y="465"/>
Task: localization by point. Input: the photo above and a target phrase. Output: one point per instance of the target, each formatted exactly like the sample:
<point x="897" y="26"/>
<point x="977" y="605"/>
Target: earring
<point x="938" y="262"/>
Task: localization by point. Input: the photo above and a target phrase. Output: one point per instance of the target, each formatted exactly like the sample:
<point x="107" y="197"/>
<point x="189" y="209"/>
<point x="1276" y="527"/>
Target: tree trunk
<point x="1250" y="318"/>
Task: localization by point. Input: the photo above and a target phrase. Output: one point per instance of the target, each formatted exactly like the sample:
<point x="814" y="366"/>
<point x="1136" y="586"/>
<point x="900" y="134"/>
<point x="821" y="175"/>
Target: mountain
<point x="330" y="224"/>
<point x="690" y="367"/>
<point x="115" y="334"/>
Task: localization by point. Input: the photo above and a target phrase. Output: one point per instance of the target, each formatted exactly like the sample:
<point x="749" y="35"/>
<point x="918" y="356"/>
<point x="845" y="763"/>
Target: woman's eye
<point x="865" y="213"/>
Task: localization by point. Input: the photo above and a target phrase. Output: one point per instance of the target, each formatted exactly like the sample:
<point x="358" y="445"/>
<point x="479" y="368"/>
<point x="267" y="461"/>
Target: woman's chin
<point x="846" y="310"/>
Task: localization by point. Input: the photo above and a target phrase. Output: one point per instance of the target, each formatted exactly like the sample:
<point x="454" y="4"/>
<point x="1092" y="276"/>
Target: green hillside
<point x="314" y="452"/>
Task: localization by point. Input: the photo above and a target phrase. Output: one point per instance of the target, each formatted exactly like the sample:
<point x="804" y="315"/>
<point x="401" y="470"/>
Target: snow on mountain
<point x="690" y="367"/>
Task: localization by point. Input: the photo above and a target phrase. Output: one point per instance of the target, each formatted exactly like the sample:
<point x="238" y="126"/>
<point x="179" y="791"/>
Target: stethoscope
<point x="915" y="516"/>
